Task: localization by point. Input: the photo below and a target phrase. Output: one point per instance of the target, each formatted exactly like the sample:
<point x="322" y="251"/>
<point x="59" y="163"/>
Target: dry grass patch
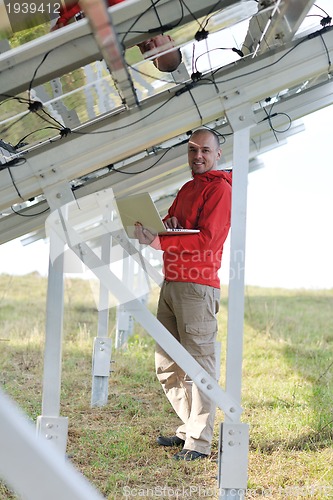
<point x="287" y="394"/>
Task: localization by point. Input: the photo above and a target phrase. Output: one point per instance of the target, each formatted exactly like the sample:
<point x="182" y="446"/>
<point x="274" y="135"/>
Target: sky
<point x="290" y="206"/>
<point x="289" y="237"/>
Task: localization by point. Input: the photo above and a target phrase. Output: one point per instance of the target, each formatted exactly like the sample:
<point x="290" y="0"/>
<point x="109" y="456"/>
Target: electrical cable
<point x="205" y="21"/>
<point x="21" y="100"/>
<point x="19" y="144"/>
<point x="129" y="124"/>
<point x="145" y="169"/>
<point x="223" y="136"/>
<point x="202" y="33"/>
<point x="143" y="73"/>
<point x="14" y="183"/>
<point x="233" y="49"/>
<point x="185" y="89"/>
<point x="35" y="106"/>
<point x="134" y="23"/>
<point x="36" y="71"/>
<point x="270" y="115"/>
<point x="166" y="27"/>
<point x="5" y="130"/>
<point x="156" y="13"/>
<point x="327" y="53"/>
<point x="318" y="7"/>
<point x="12" y="163"/>
<point x="48" y="121"/>
<point x="196" y="106"/>
<point x="273" y="115"/>
<point x="263" y="67"/>
<point x="29" y="215"/>
<point x="325" y="21"/>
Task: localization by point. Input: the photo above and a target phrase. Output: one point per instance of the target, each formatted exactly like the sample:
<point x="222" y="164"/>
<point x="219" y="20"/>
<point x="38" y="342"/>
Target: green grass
<point x="287" y="394"/>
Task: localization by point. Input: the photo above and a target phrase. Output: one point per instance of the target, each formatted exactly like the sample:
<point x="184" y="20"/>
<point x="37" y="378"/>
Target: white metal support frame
<point x="124" y="319"/>
<point x="234" y="436"/>
<point x="250" y="81"/>
<point x="125" y="296"/>
<point x="76" y="42"/>
<point x="31" y="466"/>
<point x="50" y="424"/>
<point x="102" y="343"/>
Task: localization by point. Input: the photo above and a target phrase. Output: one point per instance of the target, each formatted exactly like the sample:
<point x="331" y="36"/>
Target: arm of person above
<point x="70" y="10"/>
<point x="66" y="13"/>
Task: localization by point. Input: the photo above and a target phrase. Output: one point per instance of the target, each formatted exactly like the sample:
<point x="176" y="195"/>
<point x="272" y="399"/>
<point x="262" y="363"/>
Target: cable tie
<point x="161" y="29"/>
<point x="35" y="106"/>
<point x="325" y="21"/>
<point x="269" y="117"/>
<point x="187" y="87"/>
<point x="239" y="52"/>
<point x="64" y="132"/>
<point x="195" y="77"/>
<point x="317" y="33"/>
<point x="201" y="35"/>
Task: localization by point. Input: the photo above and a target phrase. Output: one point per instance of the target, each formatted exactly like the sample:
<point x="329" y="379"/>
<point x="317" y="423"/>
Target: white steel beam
<point x="110" y="48"/>
<point x="237" y="264"/>
<point x="275" y="24"/>
<point x="125" y="296"/>
<point x="31" y="466"/>
<point x="50" y="425"/>
<point x="54" y="329"/>
<point x="169" y="173"/>
<point x="233" y="449"/>
<point x="102" y="343"/>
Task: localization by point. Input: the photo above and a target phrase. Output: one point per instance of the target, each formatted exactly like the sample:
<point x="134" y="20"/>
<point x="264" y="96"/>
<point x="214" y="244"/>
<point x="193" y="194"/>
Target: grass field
<point x="287" y="394"/>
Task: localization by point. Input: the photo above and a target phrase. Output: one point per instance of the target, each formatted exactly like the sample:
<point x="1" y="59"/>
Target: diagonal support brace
<point x="200" y="377"/>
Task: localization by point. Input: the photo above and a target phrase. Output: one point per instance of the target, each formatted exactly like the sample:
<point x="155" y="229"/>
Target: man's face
<point x="151" y="47"/>
<point x="156" y="45"/>
<point x="203" y="152"/>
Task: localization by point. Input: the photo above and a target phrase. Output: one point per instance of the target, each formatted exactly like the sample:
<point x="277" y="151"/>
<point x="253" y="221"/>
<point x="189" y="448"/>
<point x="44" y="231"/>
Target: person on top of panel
<point x="165" y="63"/>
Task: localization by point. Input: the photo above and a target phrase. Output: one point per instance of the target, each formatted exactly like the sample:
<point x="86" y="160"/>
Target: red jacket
<point x="71" y="10"/>
<point x="203" y="203"/>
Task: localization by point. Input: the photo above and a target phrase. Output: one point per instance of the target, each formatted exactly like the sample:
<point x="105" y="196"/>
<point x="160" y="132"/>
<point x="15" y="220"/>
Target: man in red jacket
<point x="166" y="63"/>
<point x="190" y="295"/>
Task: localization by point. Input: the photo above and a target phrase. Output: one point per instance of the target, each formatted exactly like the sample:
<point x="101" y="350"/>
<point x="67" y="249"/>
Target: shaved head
<point x="203" y="151"/>
<point x="207" y="131"/>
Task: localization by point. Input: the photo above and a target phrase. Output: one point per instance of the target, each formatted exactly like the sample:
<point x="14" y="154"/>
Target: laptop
<point x="141" y="208"/>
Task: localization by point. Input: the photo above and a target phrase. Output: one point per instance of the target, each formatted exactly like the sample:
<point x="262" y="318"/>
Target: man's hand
<point x="172" y="223"/>
<point x="144" y="236"/>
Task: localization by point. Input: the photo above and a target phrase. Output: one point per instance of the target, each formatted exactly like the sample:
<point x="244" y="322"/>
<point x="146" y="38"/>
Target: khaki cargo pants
<point x="188" y="311"/>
